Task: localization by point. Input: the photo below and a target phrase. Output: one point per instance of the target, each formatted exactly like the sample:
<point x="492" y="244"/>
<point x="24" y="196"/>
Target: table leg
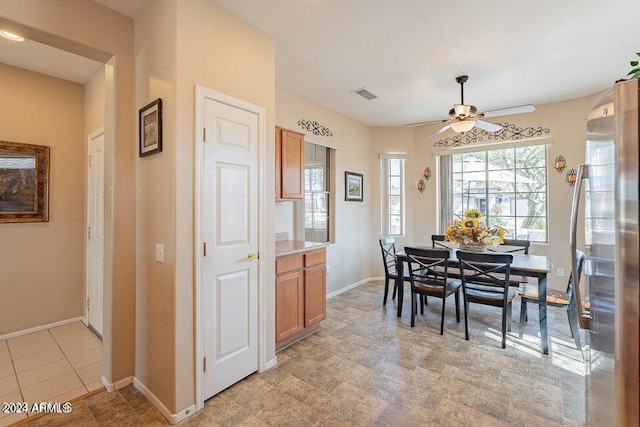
<point x="400" y="285"/>
<point x="542" y="309"/>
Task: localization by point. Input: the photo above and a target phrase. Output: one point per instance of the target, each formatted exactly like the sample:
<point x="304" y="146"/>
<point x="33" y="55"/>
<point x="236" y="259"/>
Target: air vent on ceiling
<point x="364" y="93"/>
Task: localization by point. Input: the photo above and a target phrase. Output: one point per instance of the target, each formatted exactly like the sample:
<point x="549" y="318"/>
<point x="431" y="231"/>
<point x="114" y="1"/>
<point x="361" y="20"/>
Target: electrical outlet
<point x="159" y="252"/>
<point x="560" y="272"/>
<point x="328" y="270"/>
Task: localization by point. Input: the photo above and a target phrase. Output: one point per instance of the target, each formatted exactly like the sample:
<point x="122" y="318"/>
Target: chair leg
<point x="395" y="289"/>
<point x="414" y="308"/>
<point x="573" y="324"/>
<point x="386" y="290"/>
<point x="504" y="327"/>
<point x="523" y="317"/>
<point x="457" y="296"/>
<point x="444" y="302"/>
<point x="422" y="298"/>
<point x="570" y="325"/>
<point x="466" y="315"/>
<point x="509" y="316"/>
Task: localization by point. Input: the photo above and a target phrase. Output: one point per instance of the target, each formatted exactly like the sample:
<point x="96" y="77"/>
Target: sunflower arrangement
<point x="472" y="229"/>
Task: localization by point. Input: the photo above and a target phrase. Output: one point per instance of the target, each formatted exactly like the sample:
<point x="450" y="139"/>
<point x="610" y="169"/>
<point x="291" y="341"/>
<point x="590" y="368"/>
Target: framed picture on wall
<point x="24" y="182"/>
<point x="353" y="187"/>
<point x="151" y="128"/>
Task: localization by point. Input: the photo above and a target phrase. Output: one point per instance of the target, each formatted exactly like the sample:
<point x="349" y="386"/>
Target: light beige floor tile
<point x="82" y="360"/>
<point x="81" y="346"/>
<point x="27" y="339"/>
<point x="43" y="373"/>
<point x="91" y="373"/>
<point x="6" y="369"/>
<point x="51" y="388"/>
<point x="42" y="345"/>
<point x="5" y="356"/>
<point x="14" y="396"/>
<point x="8" y="385"/>
<point x="74" y="336"/>
<point x="10" y="419"/>
<point x="95" y="386"/>
<point x="65" y="397"/>
<point x="69" y="328"/>
<point x="37" y="360"/>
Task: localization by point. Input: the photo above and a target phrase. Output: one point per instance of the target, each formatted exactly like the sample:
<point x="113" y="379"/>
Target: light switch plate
<point x="560" y="272"/>
<point x="159" y="252"/>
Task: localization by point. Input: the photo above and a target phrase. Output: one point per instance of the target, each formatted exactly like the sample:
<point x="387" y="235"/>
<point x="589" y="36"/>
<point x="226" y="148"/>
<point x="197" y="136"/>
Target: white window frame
<point x="385" y="192"/>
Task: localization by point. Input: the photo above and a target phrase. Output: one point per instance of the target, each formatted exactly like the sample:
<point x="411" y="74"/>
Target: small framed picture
<point x="353" y="187"/>
<point x="151" y="128"/>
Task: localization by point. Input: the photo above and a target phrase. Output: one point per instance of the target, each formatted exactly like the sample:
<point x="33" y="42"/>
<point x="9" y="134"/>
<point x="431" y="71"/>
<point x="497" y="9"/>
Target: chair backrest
<point x="427" y="265"/>
<point x="435" y="238"/>
<point x="581" y="259"/>
<point x="388" y="247"/>
<point x="518" y="245"/>
<point x="485" y="272"/>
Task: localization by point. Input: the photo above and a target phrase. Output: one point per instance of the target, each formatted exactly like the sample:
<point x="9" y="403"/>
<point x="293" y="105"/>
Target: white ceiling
<point x="409" y="52"/>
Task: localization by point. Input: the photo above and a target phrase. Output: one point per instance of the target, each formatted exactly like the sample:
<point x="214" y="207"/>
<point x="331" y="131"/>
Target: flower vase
<point x="476" y="247"/>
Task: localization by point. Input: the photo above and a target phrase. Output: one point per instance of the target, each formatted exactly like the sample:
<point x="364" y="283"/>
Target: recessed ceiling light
<point x="11" y="36"/>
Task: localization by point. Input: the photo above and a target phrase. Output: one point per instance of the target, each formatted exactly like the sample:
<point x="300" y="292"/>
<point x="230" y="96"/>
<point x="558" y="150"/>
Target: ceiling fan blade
<point x="489" y="127"/>
<point x="424" y="123"/>
<point x="439" y="131"/>
<point x="511" y="110"/>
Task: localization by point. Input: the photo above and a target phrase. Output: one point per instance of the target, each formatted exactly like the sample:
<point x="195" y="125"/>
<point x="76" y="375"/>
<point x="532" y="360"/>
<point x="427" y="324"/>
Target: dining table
<point x="536" y="266"/>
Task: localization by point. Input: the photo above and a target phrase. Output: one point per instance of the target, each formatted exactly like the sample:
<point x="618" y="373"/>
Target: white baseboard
<point x="353" y="285"/>
<point x="172" y="418"/>
<point x="39" y="328"/>
<point x="270" y="364"/>
<point x="117" y="385"/>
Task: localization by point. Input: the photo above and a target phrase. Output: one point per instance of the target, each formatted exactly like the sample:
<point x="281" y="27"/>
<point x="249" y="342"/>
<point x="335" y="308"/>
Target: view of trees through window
<point x="509" y="186"/>
<point x="316" y="193"/>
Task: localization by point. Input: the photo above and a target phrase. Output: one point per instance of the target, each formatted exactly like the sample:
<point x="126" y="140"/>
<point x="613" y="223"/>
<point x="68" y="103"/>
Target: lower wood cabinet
<point x="301" y="295"/>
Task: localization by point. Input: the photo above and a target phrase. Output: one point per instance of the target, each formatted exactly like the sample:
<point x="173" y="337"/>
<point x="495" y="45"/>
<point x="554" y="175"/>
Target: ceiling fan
<point x="465" y="117"/>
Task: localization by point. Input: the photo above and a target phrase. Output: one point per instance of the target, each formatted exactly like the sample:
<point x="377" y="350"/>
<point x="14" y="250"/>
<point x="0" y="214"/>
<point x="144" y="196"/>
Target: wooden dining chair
<point x="428" y="272"/>
<point x="567" y="300"/>
<point x="517" y="246"/>
<point x="388" y="248"/>
<point x="485" y="280"/>
<point x="436" y="239"/>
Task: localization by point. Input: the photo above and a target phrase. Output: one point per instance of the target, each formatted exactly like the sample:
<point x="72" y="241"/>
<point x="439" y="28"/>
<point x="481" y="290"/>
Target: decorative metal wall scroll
<point x="508" y="132"/>
<point x="560" y="163"/>
<point x="315" y="128"/>
<point x="571" y="177"/>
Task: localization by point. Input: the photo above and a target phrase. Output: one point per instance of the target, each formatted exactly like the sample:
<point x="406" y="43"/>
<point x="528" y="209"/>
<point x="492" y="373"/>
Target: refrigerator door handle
<point x="583" y="318"/>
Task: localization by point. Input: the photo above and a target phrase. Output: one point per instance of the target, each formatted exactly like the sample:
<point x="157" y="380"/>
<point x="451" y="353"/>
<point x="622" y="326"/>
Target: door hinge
<point x="204" y="134"/>
<point x="204" y="364"/>
<point x="89" y="232"/>
<point x="87" y="304"/>
<point x="204" y="249"/>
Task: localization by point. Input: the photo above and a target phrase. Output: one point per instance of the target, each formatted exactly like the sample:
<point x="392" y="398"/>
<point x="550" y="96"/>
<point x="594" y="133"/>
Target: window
<point x="509" y="187"/>
<point x="316" y="192"/>
<point x="392" y="168"/>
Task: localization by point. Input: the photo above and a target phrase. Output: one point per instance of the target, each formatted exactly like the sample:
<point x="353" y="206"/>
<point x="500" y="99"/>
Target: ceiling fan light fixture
<point x="462" y="110"/>
<point x="462" y="126"/>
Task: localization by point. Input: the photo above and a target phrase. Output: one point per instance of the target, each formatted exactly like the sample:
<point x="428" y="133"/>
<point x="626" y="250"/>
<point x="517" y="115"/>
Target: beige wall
<point x="352" y="141"/>
<point x="89" y="29"/>
<point x="42" y="264"/>
<point x="94" y="104"/>
<point x="155" y="53"/>
<point x="567" y="132"/>
<point x="181" y="44"/>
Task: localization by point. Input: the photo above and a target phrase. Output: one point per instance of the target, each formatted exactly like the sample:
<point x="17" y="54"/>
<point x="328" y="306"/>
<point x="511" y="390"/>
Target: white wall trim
<point x="353" y="285"/>
<point x="269" y="364"/>
<point x="172" y="418"/>
<point x="39" y="328"/>
<point x="117" y="385"/>
<point x="203" y="93"/>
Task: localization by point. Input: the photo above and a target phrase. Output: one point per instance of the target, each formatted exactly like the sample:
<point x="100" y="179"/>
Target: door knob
<point x="251" y="256"/>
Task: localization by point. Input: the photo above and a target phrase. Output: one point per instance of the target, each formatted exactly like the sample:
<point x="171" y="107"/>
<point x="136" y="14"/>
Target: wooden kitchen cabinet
<point x="289" y="164"/>
<point x="301" y="295"/>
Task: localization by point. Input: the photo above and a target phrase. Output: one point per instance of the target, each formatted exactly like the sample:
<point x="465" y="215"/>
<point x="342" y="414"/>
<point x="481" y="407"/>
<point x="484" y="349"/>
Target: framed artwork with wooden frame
<point x="24" y="182"/>
<point x="353" y="189"/>
<point x="151" y="128"/>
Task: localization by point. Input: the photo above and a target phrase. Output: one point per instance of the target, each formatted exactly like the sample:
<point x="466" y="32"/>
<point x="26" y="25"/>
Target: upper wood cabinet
<point x="289" y="164"/>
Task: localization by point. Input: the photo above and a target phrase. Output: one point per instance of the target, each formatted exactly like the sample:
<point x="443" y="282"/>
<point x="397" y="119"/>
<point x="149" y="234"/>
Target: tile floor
<point x="56" y="364"/>
<point x="365" y="367"/>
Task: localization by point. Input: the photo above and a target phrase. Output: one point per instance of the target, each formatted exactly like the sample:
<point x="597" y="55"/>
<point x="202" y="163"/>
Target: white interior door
<point x="95" y="231"/>
<point x="230" y="240"/>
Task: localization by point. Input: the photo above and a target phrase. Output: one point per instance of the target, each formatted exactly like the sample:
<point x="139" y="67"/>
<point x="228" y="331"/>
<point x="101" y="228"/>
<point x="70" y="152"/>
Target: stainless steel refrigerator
<point x="611" y="295"/>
